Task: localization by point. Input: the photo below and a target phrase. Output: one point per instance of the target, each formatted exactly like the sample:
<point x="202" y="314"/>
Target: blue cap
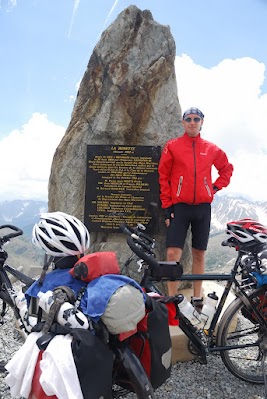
<point x="193" y="110"/>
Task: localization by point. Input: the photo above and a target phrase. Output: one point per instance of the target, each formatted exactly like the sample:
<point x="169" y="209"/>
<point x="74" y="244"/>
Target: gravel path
<point x="189" y="380"/>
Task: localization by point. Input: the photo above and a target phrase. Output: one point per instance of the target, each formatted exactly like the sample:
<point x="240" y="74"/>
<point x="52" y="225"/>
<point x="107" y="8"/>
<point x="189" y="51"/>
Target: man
<point x="187" y="190"/>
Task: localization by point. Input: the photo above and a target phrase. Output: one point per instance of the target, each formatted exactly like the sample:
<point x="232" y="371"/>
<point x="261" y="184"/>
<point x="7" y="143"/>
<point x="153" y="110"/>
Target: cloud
<point x="108" y="16"/>
<point x="26" y="157"/>
<point x="8" y="5"/>
<point x="75" y="8"/>
<point x="229" y="94"/>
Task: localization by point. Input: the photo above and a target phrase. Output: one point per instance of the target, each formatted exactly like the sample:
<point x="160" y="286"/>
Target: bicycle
<point x="7" y="292"/>
<point x="240" y="337"/>
<point x="128" y="374"/>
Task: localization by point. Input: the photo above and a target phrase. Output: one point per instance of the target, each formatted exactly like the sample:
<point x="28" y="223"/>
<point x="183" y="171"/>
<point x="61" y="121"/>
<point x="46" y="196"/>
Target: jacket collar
<point x="190" y="139"/>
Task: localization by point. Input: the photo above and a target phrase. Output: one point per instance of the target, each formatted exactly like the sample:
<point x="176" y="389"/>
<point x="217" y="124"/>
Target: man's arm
<point x="225" y="170"/>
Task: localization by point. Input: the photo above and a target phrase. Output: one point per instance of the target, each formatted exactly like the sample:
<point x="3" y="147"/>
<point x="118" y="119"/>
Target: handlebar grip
<point x="17" y="231"/>
<point x="150" y="260"/>
<point x="146" y="237"/>
<point x="130" y="230"/>
<point x="124" y="228"/>
<point x="137" y="239"/>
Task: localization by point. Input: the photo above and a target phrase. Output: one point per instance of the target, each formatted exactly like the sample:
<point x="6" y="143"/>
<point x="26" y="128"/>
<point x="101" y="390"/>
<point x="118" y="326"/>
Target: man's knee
<point x="198" y="255"/>
<point x="174" y="254"/>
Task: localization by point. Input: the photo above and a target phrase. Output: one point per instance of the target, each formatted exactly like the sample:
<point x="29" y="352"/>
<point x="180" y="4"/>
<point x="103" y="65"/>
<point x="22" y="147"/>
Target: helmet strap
<point x="47" y="261"/>
<point x="65" y="262"/>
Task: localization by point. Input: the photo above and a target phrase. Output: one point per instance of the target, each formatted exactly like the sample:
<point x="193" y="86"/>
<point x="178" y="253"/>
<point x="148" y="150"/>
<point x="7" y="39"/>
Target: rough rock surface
<point x="128" y="95"/>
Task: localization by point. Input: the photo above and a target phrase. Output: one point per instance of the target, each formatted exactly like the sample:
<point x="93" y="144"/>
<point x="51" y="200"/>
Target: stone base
<point x="180" y="352"/>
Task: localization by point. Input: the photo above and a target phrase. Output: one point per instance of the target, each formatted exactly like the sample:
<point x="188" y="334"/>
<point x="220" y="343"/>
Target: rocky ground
<point x="189" y="380"/>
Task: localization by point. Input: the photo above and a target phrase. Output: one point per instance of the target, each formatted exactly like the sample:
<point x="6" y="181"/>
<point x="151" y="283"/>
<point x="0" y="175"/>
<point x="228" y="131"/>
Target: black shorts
<point x="185" y="215"/>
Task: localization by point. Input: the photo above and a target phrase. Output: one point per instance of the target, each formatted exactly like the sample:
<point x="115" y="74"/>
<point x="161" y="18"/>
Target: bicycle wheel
<point x="240" y="330"/>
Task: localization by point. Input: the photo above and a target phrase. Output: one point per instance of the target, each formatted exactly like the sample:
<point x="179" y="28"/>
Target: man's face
<point x="192" y="124"/>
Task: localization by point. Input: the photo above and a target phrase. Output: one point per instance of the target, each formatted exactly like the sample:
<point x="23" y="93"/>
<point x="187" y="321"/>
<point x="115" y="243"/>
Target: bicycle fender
<point x="135" y="372"/>
<point x="224" y="317"/>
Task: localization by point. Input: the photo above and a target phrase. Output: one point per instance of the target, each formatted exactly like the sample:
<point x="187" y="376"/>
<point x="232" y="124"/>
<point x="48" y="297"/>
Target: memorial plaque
<point x="122" y="187"/>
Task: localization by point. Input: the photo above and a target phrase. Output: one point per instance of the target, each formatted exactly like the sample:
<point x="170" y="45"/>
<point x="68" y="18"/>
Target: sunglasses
<point x="188" y="120"/>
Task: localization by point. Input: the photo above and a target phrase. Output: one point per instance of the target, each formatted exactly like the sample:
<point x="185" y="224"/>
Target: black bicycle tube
<point x="19" y="275"/>
<point x="219" y="308"/>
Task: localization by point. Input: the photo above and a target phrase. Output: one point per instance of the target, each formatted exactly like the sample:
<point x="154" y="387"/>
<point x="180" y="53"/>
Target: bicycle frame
<point x="238" y="334"/>
<point x="148" y="283"/>
<point x="4" y="279"/>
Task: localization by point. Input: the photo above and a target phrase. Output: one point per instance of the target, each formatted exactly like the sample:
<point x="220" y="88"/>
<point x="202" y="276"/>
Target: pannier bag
<point x="124" y="310"/>
<point x="152" y="343"/>
<point x="95" y="265"/>
<point x="260" y="301"/>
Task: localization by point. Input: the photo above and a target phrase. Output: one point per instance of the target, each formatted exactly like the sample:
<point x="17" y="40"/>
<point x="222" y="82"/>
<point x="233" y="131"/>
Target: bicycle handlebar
<point x="142" y="246"/>
<point x="135" y="240"/>
<point x="128" y="229"/>
<point x="6" y="238"/>
<point x="149" y="259"/>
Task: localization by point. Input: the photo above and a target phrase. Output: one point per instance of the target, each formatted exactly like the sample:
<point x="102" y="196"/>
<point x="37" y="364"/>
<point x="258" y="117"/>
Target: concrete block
<point x="180" y="352"/>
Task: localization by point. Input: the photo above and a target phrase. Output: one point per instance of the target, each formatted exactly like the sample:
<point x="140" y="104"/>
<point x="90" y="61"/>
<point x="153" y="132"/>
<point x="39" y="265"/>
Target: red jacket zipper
<point x="195" y="170"/>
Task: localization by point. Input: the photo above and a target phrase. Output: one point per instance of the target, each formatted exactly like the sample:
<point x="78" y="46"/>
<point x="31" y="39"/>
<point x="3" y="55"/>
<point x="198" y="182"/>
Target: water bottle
<point x="27" y="321"/>
<point x="208" y="309"/>
<point x="188" y="310"/>
<point x="67" y="315"/>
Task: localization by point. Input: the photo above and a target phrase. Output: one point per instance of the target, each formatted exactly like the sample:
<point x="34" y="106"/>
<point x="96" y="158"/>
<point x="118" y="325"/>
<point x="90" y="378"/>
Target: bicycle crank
<point x="194" y="351"/>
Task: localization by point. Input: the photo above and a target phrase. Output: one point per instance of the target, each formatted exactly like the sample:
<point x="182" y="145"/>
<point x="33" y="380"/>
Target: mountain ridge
<point x="25" y="213"/>
<point x="224" y="208"/>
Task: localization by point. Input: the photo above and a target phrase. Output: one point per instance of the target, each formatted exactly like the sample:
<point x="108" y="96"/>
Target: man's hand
<point x="215" y="189"/>
<point x="168" y="214"/>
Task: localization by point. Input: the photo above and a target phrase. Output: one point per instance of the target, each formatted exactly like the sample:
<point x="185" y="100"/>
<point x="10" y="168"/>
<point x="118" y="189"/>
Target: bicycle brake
<point x="140" y="265"/>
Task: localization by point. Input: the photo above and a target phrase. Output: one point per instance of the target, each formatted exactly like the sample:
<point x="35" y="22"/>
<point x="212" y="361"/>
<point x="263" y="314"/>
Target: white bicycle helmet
<point x="247" y="231"/>
<point x="60" y="234"/>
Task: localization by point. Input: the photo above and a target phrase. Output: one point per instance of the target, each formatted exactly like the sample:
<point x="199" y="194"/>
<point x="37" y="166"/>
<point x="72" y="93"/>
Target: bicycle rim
<point x="239" y="327"/>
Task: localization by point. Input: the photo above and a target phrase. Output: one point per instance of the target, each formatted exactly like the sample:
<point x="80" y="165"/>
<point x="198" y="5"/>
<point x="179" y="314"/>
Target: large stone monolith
<point x="128" y="95"/>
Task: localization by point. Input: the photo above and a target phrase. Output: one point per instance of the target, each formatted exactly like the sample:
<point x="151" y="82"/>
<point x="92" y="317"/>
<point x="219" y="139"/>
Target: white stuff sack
<point x="125" y="309"/>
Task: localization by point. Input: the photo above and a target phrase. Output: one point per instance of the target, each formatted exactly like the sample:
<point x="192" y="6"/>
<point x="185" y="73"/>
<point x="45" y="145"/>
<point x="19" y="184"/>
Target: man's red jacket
<point x="185" y="171"/>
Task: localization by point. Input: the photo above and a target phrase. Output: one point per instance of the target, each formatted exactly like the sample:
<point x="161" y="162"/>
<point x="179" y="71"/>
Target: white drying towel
<point x="58" y="371"/>
<point x="21" y="367"/>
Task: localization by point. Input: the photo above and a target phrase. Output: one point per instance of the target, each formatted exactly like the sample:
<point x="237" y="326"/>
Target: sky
<point x="45" y="46"/>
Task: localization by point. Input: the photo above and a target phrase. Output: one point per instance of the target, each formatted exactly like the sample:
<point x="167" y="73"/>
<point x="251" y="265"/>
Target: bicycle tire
<point x="238" y="327"/>
<point x="132" y="376"/>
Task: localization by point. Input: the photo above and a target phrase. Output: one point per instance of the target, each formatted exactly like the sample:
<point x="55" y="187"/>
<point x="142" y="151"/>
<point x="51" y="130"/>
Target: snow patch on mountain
<point x="262" y="215"/>
<point x="225" y="209"/>
<point x="21" y="213"/>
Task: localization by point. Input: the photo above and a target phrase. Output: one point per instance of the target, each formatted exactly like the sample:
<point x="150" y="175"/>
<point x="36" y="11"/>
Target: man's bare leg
<point x="173" y="254"/>
<point x="198" y="267"/>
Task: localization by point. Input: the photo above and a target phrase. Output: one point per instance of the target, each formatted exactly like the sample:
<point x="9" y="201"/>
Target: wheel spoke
<point x="246" y="341"/>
